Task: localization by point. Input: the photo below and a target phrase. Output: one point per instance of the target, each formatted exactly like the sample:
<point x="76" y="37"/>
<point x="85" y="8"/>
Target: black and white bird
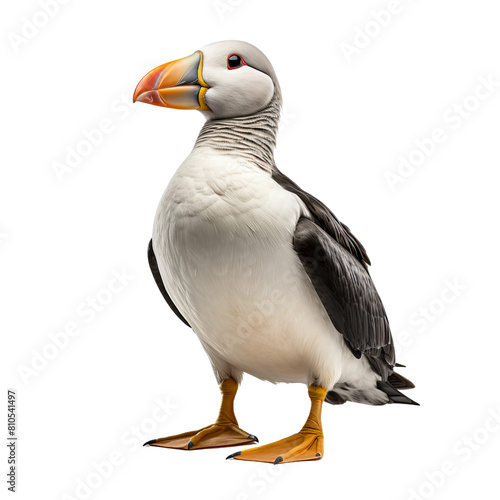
<point x="271" y="282"/>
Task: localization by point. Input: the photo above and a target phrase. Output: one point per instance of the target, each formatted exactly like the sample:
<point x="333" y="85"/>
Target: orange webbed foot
<point x="296" y="448"/>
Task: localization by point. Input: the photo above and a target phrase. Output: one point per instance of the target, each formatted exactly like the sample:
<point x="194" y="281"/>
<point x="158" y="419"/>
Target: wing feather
<point x="153" y="264"/>
<point x="348" y="294"/>
<point x="325" y="219"/>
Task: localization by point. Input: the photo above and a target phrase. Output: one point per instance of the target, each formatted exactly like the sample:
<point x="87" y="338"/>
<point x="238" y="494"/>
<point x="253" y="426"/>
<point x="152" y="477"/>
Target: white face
<point x="238" y="85"/>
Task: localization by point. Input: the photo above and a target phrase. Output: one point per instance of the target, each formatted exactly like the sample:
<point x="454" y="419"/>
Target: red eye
<point x="234" y="61"/>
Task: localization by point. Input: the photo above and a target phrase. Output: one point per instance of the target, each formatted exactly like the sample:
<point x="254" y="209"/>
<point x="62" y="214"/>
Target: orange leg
<point x="307" y="444"/>
<point x="225" y="431"/>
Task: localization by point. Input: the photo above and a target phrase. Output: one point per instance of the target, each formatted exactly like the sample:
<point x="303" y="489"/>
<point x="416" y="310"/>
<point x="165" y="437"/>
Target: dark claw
<point x="278" y="460"/>
<point x="318" y="454"/>
<point x="150" y="442"/>
<point x="236" y="454"/>
<point x="190" y="445"/>
<point x="251" y="436"/>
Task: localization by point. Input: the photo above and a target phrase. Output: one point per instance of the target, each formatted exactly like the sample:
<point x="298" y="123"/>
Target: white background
<point x="346" y="124"/>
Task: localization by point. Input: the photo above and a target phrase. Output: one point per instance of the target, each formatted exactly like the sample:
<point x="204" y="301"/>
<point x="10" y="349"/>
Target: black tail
<point x="394" y="395"/>
<point x="399" y="382"/>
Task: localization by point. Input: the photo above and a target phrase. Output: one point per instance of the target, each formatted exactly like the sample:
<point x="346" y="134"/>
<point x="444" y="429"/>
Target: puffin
<point x="268" y="278"/>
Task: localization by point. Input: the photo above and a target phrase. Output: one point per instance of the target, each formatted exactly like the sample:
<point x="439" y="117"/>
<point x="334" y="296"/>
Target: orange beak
<point x="177" y="84"/>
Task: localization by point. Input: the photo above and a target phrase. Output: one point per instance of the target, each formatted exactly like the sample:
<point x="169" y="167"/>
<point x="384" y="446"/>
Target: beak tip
<point x="150" y="97"/>
<point x="137" y="94"/>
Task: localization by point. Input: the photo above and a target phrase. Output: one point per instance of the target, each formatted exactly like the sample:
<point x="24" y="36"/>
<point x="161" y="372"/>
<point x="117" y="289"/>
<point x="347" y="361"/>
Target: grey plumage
<point x="252" y="137"/>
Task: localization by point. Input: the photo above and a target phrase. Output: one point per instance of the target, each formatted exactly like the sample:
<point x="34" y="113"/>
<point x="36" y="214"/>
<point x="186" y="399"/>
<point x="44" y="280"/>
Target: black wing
<point x="337" y="264"/>
<point x="153" y="264"/>
<point x="348" y="294"/>
<point x="325" y="219"/>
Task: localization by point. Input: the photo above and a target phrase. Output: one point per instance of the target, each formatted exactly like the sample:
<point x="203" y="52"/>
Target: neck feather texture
<point x="252" y="137"/>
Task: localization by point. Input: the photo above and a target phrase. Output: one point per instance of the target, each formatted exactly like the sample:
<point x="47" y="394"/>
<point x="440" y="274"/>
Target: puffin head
<point x="223" y="80"/>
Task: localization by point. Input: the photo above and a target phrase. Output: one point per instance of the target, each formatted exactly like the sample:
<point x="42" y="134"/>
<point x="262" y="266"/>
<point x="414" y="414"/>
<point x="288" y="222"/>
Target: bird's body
<point x="223" y="239"/>
<point x="272" y="283"/>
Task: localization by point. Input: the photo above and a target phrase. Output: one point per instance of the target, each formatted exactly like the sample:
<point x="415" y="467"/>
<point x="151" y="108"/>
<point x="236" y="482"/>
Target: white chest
<point x="220" y="217"/>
